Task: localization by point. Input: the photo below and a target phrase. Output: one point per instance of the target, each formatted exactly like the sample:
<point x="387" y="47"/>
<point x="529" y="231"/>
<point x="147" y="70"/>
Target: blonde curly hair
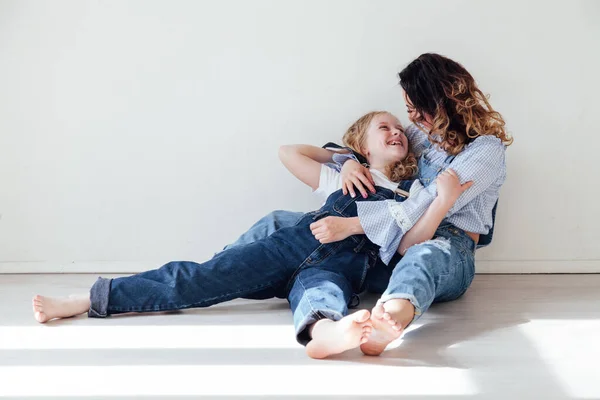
<point x="356" y="136"/>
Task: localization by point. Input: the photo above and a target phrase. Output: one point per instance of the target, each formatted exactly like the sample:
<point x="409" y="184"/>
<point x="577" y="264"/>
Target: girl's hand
<point x="354" y="174"/>
<point x="449" y="188"/>
<point x="334" y="229"/>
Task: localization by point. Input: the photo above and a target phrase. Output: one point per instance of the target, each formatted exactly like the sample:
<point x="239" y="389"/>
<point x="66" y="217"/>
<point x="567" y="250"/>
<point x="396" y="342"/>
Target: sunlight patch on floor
<point x="249" y="380"/>
<point x="148" y="337"/>
<point x="574" y="365"/>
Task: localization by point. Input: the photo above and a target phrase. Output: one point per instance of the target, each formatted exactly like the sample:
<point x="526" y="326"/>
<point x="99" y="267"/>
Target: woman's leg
<point x="266" y="226"/>
<point x="319" y="300"/>
<point x="437" y="270"/>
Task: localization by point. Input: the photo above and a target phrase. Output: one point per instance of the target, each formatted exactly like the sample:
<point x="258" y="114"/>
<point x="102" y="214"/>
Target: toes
<point x="378" y="310"/>
<point x="364" y="340"/>
<point x="362" y="316"/>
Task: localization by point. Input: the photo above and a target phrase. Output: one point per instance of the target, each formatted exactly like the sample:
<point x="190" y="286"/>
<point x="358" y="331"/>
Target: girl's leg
<point x="266" y="226"/>
<point x="259" y="270"/>
<point x="319" y="300"/>
<point x="437" y="270"/>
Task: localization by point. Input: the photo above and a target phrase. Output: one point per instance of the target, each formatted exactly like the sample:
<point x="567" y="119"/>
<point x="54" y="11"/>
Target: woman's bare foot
<point x="47" y="308"/>
<point x="334" y="337"/>
<point x="389" y="320"/>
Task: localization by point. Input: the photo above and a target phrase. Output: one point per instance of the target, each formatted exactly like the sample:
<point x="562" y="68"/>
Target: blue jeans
<point x="319" y="280"/>
<point x="437" y="270"/>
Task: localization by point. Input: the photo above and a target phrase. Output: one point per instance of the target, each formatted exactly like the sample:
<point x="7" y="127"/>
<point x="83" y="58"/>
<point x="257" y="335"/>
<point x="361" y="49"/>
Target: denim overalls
<point x="319" y="280"/>
<point x="438" y="270"/>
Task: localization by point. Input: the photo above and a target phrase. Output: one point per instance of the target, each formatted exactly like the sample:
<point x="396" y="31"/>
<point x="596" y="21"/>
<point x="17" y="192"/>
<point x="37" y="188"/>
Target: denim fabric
<point x="437" y="270"/>
<point x="266" y="226"/>
<point x="318" y="280"/>
<point x="99" y="294"/>
<point x="378" y="276"/>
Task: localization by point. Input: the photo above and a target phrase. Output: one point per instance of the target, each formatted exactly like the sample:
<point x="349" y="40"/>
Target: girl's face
<point x="385" y="142"/>
<point x="414" y="115"/>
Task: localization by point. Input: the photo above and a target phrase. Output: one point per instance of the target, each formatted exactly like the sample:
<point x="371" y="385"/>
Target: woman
<point x="454" y="126"/>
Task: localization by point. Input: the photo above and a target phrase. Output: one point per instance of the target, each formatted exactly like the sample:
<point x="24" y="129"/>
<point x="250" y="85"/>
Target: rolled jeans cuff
<point x="99" y="294"/>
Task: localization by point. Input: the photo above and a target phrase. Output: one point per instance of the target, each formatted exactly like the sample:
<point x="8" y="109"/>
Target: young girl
<point x="318" y="278"/>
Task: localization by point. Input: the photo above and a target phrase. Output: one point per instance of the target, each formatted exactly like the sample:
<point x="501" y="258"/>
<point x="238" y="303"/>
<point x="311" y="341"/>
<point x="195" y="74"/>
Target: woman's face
<point x="414" y="115"/>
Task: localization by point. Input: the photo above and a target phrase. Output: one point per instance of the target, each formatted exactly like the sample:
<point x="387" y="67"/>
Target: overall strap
<point x="486" y="239"/>
<point x="361" y="159"/>
<point x="403" y="188"/>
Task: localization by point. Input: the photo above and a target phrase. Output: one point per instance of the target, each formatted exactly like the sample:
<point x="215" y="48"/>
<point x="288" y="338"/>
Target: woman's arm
<point x="333" y="229"/>
<point x="305" y="161"/>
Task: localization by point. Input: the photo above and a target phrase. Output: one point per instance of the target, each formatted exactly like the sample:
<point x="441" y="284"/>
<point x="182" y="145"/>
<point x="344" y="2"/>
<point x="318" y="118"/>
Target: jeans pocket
<point x="324" y="251"/>
<point x="317" y="215"/>
<point x="343" y="202"/>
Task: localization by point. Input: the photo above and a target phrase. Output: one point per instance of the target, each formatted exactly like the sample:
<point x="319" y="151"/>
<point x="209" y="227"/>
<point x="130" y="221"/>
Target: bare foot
<point x="47" y="308"/>
<point x="334" y="337"/>
<point x="389" y="320"/>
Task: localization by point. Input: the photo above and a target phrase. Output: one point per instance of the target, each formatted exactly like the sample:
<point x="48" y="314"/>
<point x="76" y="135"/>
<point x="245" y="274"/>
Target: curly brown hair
<point x="356" y="136"/>
<point x="444" y="89"/>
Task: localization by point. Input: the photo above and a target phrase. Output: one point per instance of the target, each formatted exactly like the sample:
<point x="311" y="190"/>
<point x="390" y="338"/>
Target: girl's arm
<point x="304" y="162"/>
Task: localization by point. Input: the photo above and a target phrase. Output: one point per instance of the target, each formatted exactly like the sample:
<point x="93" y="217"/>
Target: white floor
<point x="509" y="337"/>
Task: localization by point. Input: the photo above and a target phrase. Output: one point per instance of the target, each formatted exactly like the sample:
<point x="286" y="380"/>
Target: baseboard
<point x="482" y="266"/>
<point x="83" y="267"/>
<point x="538" y="267"/>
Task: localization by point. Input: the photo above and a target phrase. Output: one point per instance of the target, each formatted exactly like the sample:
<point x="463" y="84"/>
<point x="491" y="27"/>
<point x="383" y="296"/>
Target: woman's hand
<point x="449" y="188"/>
<point x="334" y="229"/>
<point x="354" y="174"/>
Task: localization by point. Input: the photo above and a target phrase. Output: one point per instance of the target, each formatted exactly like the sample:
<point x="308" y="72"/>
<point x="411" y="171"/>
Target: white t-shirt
<point x="330" y="181"/>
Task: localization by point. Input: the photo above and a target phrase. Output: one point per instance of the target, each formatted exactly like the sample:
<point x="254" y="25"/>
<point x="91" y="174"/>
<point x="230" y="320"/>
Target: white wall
<point x="140" y="132"/>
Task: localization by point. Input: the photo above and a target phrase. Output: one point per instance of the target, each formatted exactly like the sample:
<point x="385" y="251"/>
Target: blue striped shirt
<point x="482" y="161"/>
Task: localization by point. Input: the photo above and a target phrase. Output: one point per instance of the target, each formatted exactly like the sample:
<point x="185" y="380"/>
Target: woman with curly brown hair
<point x="455" y="131"/>
<point x="456" y="134"/>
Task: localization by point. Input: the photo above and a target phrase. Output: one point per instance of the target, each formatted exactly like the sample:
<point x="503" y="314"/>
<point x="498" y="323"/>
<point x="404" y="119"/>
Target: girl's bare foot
<point x="47" y="308"/>
<point x="389" y="320"/>
<point x="334" y="337"/>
